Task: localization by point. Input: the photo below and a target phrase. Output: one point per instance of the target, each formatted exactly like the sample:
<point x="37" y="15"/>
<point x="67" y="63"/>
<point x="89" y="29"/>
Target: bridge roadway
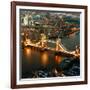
<point x="57" y="52"/>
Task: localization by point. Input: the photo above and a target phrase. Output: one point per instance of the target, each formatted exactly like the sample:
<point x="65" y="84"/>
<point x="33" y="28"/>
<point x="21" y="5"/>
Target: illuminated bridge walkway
<point x="59" y="49"/>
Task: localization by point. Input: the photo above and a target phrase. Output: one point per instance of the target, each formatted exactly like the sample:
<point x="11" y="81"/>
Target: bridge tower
<point x="58" y="45"/>
<point x="43" y="40"/>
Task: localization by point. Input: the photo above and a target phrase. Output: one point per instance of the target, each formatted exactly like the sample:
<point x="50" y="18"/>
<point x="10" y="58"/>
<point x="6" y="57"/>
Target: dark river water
<point x="36" y="63"/>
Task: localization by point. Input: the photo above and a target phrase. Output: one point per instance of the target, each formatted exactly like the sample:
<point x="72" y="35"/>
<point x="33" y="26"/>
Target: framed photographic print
<point x="48" y="44"/>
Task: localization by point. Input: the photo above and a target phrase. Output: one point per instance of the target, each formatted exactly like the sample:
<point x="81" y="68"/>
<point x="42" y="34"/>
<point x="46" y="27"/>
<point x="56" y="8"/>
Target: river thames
<point x="42" y="64"/>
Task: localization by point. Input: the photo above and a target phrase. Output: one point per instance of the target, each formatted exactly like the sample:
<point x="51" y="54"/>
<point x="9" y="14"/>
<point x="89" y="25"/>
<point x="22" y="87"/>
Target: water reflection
<point x="58" y="59"/>
<point x="27" y="52"/>
<point x="44" y="58"/>
<point x="37" y="63"/>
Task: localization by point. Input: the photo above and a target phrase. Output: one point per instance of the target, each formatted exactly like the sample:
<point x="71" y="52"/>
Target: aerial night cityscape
<point x="49" y="43"/>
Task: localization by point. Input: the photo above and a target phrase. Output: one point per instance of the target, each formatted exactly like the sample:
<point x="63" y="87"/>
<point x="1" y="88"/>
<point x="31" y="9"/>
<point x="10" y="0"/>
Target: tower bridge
<point x="59" y="48"/>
